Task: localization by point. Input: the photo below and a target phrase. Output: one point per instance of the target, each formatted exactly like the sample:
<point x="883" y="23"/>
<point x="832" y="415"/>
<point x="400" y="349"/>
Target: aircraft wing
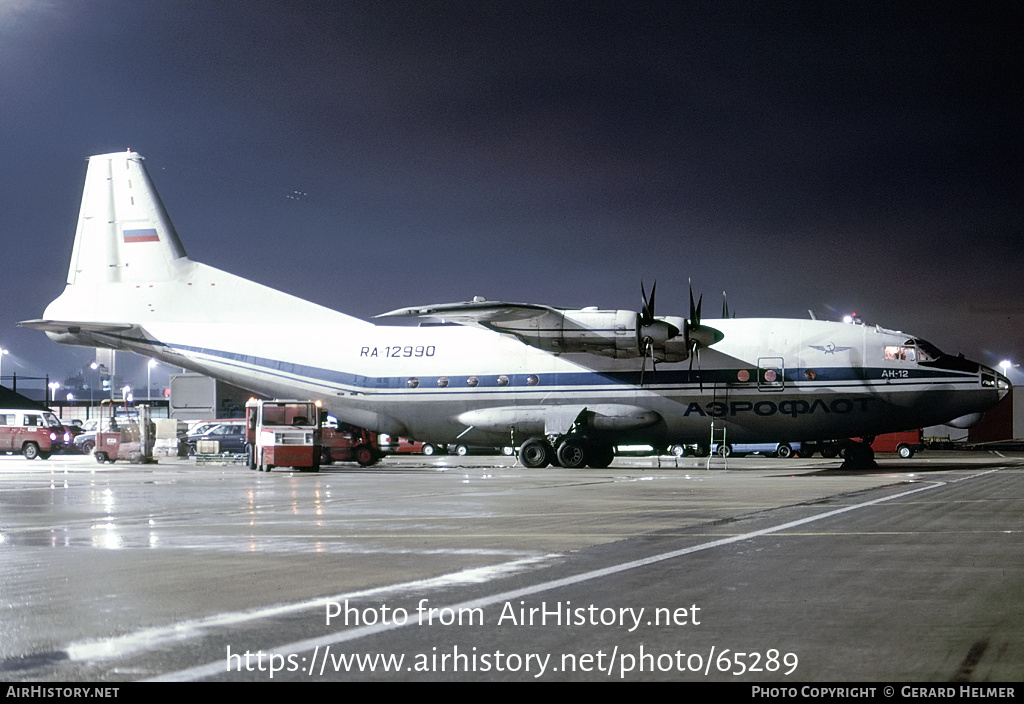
<point x="608" y="333"/>
<point x="486" y="313"/>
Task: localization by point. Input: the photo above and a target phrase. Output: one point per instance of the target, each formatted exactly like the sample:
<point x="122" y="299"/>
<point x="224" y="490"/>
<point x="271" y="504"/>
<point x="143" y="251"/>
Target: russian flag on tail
<point x="146" y="235"/>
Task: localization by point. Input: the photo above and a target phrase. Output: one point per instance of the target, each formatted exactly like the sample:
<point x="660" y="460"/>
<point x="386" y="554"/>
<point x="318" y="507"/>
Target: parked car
<point x="463" y="450"/>
<point x="230" y="434"/>
<point x="84" y="442"/>
<point x="73" y="427"/>
<point x="771" y="449"/>
<point x="393" y="445"/>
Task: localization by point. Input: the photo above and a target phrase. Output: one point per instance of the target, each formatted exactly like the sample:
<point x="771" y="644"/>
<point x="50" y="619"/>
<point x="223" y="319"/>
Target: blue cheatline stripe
<point x="662" y="380"/>
<point x="520" y="381"/>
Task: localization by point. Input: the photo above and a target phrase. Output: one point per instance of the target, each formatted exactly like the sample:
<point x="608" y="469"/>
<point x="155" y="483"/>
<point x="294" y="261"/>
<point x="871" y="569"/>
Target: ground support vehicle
<point x="348" y="443"/>
<point x="905" y="444"/>
<point x="282" y="433"/>
<point x="129" y="436"/>
<point x="30" y="432"/>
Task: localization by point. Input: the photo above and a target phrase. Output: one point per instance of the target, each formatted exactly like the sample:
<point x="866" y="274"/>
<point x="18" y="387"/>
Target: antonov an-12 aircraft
<point x="565" y="386"/>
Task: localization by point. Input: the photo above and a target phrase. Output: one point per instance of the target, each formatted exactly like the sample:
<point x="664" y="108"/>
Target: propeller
<point x="698" y="335"/>
<point x="692" y="325"/>
<point x="651" y="331"/>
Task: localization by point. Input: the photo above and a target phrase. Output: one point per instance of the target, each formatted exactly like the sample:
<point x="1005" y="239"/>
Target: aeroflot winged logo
<point x="830" y="348"/>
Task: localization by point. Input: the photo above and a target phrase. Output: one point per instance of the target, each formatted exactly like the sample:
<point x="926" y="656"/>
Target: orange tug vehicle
<point x="349" y="443"/>
<point x="289" y="434"/>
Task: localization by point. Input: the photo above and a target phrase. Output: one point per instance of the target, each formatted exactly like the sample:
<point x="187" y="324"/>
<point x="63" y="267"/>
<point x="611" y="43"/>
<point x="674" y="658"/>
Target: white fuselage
<point x="830" y="379"/>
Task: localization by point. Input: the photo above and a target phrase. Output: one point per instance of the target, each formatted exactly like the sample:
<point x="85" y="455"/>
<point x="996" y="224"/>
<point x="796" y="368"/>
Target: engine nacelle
<point x="610" y="333"/>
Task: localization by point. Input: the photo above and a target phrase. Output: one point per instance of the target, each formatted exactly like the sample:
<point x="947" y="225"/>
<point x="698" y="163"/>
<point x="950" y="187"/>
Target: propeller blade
<point x="647" y="312"/>
<point x="695" y="309"/>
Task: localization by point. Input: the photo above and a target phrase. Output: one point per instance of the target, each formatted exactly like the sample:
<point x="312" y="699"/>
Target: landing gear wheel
<point x="535" y="453"/>
<point x="572" y="454"/>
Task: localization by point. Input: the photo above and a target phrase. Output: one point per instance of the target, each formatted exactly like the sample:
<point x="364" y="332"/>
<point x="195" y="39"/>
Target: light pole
<point x="149" y="381"/>
<point x="1005" y="366"/>
<point x="2" y="353"/>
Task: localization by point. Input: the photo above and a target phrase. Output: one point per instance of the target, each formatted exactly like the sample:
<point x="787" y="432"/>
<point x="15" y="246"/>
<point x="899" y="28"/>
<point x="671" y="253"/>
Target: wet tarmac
<point x="477" y="569"/>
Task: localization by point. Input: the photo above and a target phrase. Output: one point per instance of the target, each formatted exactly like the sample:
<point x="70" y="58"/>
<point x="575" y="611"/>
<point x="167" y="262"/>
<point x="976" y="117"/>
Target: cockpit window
<point x="902" y="353"/>
<point x="927" y="351"/>
<point x="913" y="351"/>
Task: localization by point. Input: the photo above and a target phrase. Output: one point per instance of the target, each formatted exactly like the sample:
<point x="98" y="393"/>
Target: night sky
<point x="372" y="155"/>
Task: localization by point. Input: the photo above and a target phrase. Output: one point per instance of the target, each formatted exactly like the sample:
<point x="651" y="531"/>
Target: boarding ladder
<point x="718" y="435"/>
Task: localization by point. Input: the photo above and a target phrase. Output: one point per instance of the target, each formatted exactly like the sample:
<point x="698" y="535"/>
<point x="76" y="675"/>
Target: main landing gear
<point x="859" y="455"/>
<point x="572" y="452"/>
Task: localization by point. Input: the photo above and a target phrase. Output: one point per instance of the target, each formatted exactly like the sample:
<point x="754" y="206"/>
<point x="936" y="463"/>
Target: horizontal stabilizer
<point x="73" y="327"/>
<point x="71" y="332"/>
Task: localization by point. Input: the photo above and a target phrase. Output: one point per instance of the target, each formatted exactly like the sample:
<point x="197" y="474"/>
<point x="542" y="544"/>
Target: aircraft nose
<point x="1000" y="381"/>
<point x="1003" y="385"/>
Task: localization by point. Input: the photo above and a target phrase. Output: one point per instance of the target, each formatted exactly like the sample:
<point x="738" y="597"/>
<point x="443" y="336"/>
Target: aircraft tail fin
<point x="124" y="234"/>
